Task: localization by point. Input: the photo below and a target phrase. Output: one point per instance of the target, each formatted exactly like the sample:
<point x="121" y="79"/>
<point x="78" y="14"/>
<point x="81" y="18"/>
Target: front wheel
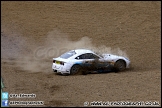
<point x="120" y="65"/>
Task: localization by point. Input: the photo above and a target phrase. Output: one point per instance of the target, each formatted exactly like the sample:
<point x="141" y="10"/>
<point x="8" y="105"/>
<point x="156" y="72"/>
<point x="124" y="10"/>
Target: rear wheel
<point x="75" y="69"/>
<point x="120" y="65"/>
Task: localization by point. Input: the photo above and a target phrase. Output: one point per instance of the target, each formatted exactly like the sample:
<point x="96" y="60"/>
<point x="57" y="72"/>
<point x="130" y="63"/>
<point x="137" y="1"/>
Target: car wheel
<point x="75" y="69"/>
<point x="120" y="65"/>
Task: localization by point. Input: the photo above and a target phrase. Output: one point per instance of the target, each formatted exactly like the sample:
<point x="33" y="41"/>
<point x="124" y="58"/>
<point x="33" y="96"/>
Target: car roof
<point x="81" y="51"/>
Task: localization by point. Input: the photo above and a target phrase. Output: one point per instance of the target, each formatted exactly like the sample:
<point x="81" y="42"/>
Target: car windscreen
<point x="68" y="54"/>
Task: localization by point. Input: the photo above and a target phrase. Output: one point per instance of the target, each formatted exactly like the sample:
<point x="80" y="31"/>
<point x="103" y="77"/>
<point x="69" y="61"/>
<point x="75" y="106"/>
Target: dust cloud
<point x="61" y="43"/>
<point x="29" y="55"/>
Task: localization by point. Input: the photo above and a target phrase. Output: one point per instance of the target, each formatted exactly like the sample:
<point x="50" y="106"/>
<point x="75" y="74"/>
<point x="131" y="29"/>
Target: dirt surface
<point x="32" y="33"/>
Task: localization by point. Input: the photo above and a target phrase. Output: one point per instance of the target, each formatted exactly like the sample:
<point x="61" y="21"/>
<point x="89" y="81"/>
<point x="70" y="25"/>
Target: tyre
<point x="119" y="65"/>
<point x="75" y="69"/>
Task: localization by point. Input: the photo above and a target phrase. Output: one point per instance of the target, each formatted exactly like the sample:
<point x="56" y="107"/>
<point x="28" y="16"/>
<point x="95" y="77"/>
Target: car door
<point x="89" y="61"/>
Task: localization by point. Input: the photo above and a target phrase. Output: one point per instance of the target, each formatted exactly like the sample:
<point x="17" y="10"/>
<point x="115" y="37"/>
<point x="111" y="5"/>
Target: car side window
<point x="81" y="57"/>
<point x="95" y="56"/>
<point x="87" y="56"/>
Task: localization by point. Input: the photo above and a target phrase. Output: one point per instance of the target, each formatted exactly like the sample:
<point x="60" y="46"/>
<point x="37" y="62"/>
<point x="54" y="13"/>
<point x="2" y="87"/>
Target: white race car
<point x="86" y="61"/>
